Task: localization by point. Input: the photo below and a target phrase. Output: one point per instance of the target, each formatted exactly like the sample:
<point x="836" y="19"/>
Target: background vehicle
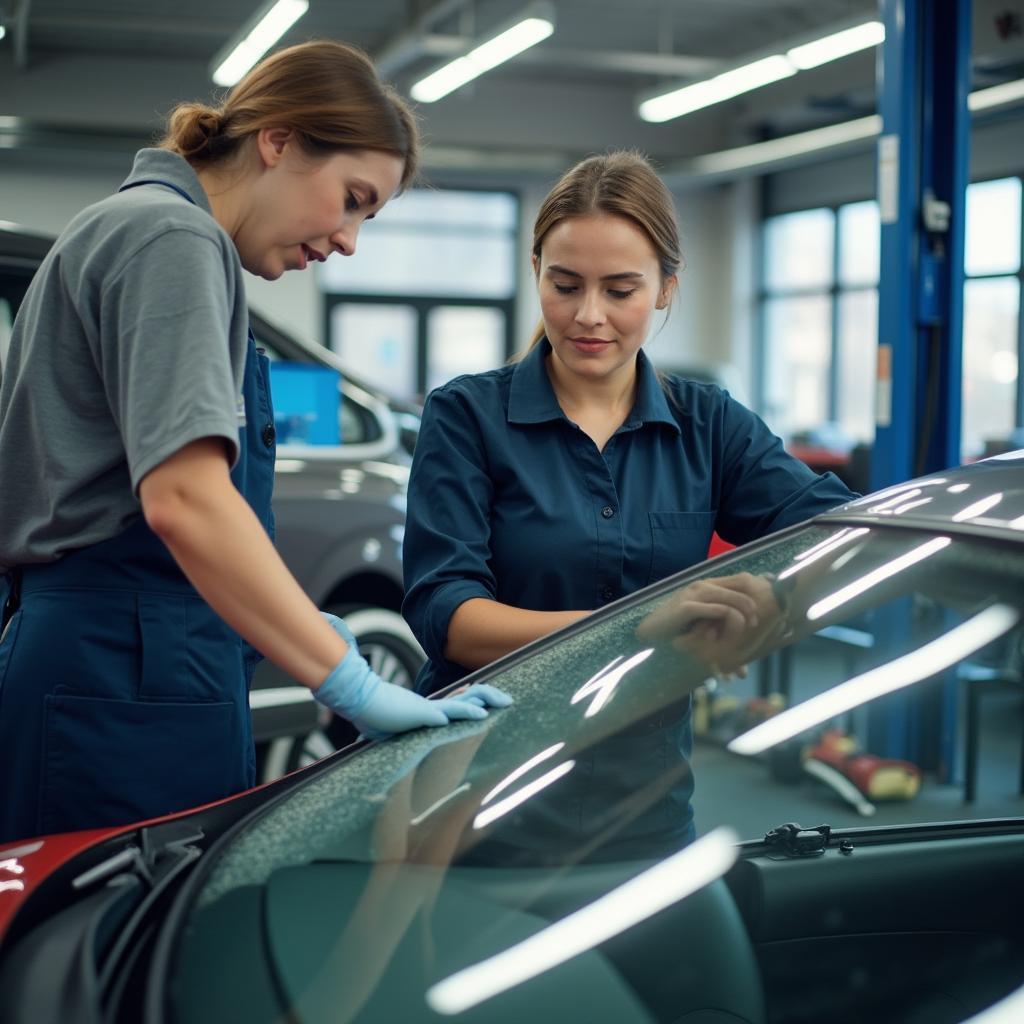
<point x="540" y="865"/>
<point x="340" y="514"/>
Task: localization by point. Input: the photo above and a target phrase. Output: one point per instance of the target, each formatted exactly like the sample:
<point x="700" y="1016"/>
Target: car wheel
<point x="388" y="644"/>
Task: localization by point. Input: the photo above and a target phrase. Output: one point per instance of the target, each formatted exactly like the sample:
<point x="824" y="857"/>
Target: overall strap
<point x="159" y="181"/>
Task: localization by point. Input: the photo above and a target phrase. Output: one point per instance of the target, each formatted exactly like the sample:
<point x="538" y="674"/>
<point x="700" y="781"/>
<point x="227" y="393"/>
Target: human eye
<point x="563" y="289"/>
<point x="352" y="201"/>
<point x="618" y="293"/>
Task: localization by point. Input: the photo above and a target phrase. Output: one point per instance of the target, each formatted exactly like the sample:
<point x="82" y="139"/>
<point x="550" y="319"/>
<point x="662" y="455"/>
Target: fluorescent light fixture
<point x="996" y="95"/>
<point x="259" y="34"/>
<point x="959" y="643"/>
<point x="525" y="33"/>
<point x="761" y="72"/>
<point x="839" y="44"/>
<point x="625" y="906"/>
<point x="716" y="90"/>
<point x="876" y="576"/>
<point x="758" y="155"/>
<point x="3" y="31"/>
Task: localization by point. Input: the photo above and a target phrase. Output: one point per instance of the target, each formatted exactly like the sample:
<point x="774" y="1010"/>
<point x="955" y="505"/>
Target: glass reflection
<point x="631" y="903"/>
<point x="876" y="576"/>
<point x="424" y="861"/>
<point x="602" y="684"/>
<point x="959" y="643"/>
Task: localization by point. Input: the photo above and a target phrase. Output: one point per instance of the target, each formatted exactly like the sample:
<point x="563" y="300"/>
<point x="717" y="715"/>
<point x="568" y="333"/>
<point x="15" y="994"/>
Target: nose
<point x="590" y="311"/>
<point x="344" y="239"/>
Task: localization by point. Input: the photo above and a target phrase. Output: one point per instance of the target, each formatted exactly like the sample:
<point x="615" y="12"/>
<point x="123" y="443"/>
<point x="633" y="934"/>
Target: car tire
<point x="388" y="644"/>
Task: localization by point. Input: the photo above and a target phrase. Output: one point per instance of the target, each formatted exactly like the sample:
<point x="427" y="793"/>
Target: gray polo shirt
<point x="129" y="345"/>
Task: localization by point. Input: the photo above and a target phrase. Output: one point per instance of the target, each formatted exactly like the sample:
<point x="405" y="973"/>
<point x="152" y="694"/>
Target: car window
<point x="593" y="775"/>
<point x="357" y="424"/>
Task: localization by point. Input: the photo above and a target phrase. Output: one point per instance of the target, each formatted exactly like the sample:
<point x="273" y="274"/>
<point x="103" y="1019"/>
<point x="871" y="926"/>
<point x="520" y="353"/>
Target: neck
<point x="613" y="395"/>
<point x="221" y="187"/>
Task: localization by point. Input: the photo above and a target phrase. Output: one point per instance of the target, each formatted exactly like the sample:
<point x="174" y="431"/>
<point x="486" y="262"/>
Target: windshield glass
<point x="428" y="860"/>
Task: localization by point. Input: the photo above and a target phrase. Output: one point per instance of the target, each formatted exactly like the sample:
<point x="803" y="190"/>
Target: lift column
<point x="923" y="82"/>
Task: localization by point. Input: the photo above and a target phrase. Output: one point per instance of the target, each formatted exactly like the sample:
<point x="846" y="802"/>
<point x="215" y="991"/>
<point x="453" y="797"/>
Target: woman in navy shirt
<point x="547" y="488"/>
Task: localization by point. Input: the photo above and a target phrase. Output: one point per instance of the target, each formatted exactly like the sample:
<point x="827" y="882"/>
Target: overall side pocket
<point x="112" y="762"/>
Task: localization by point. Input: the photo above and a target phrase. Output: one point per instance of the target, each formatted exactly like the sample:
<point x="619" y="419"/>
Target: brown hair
<point x="621" y="182"/>
<point x="327" y="93"/>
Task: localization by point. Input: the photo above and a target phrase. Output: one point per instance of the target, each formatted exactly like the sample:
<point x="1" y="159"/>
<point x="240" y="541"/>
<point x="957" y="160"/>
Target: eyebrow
<point x="624" y="275"/>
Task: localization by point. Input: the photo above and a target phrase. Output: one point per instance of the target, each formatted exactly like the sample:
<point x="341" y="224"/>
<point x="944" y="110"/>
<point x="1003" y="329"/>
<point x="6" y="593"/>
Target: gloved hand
<point x="379" y="709"/>
<point x="340" y="626"/>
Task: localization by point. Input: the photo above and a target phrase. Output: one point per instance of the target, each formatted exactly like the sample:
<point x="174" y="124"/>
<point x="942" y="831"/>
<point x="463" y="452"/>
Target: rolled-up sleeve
<point x="762" y="487"/>
<point x="446" y="554"/>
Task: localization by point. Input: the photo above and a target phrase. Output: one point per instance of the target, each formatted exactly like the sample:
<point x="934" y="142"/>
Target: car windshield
<point x="454" y="869"/>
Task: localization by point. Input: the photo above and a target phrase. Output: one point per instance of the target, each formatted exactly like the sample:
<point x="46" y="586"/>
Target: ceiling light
<point x="257" y="36"/>
<point x="996" y="95"/>
<point x="761" y="72"/>
<point x="837" y="45"/>
<point x="526" y="32"/>
<point x="715" y="90"/>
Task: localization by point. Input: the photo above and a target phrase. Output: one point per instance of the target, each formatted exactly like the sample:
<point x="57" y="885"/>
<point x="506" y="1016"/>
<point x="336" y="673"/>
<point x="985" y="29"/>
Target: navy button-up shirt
<point x="512" y="501"/>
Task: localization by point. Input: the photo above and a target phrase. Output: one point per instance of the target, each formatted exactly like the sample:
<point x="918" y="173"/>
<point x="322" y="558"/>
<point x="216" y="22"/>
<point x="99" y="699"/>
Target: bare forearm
<point x="482" y="631"/>
<point x="221" y="547"/>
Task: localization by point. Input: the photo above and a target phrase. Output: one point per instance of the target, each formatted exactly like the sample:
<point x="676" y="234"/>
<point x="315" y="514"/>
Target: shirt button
<point x="607" y="511"/>
<point x="607" y="594"/>
<point x="269" y="435"/>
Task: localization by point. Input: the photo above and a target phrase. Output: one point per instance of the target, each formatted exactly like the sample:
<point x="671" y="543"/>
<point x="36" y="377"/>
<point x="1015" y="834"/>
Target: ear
<point x="271" y="144"/>
<point x="535" y="260"/>
<point x="668" y="289"/>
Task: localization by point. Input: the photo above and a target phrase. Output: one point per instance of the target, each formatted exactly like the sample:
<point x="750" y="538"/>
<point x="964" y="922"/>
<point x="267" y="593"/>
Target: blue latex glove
<point x="379" y="709"/>
<point x="340" y="626"/>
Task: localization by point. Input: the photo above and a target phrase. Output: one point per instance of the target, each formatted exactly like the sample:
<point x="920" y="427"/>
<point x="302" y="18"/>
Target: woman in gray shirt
<point x="137" y="455"/>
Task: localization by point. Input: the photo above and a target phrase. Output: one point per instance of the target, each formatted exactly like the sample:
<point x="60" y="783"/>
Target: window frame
<point x="836" y="289"/>
<point x="423" y="304"/>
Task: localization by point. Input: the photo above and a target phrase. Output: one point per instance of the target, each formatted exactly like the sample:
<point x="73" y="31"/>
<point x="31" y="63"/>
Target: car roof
<point x="982" y="498"/>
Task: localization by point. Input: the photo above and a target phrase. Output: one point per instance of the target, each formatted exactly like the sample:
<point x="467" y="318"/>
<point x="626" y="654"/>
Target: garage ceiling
<point x="96" y="76"/>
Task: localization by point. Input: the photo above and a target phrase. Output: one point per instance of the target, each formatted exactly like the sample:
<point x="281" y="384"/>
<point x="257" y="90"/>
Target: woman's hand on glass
<point x="724" y="622"/>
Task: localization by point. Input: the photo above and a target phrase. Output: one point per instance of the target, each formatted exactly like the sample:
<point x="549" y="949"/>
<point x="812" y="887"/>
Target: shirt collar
<point x="532" y="398"/>
<point x="163" y="165"/>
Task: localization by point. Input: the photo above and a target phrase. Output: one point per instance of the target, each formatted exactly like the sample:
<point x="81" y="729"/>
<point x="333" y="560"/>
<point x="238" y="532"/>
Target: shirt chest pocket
<point x="678" y="540"/>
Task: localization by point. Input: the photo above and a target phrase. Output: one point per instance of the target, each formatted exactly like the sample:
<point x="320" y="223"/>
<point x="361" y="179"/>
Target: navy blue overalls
<point x="123" y="695"/>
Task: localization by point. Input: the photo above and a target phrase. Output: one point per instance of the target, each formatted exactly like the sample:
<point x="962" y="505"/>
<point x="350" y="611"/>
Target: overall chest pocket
<point x="678" y="540"/>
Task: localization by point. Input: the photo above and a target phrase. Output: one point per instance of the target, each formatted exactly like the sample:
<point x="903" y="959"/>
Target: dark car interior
<point x="809" y="926"/>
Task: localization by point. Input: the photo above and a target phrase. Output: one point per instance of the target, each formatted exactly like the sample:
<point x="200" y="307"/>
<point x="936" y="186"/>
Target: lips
<point x="590" y="346"/>
<point x="310" y="255"/>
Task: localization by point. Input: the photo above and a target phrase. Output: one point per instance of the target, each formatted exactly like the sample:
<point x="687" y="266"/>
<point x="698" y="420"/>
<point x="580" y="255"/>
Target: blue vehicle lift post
<point x="924" y="74"/>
